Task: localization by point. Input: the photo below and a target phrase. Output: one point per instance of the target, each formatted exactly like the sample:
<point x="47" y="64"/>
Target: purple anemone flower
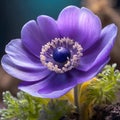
<point x="53" y="56"/>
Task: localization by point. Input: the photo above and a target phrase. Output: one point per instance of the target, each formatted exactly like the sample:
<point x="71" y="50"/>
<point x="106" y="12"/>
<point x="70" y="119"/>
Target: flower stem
<point x="76" y="101"/>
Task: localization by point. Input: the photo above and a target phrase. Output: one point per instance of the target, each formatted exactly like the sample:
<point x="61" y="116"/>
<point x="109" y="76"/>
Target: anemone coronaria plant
<point x="53" y="56"/>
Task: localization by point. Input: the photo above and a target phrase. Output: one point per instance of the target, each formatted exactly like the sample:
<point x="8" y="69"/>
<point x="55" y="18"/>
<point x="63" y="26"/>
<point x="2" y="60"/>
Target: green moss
<point x="104" y="89"/>
<point x="24" y="107"/>
<point x="55" y="109"/>
<point x="27" y="107"/>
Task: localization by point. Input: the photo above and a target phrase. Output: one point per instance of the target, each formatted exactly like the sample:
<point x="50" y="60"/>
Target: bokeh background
<point x="15" y="13"/>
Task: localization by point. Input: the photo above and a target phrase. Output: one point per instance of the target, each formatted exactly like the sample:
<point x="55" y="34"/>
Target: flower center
<point x="61" y="54"/>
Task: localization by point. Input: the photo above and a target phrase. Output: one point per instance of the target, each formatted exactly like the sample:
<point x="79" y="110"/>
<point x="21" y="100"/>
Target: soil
<point x="72" y="116"/>
<point x="107" y="112"/>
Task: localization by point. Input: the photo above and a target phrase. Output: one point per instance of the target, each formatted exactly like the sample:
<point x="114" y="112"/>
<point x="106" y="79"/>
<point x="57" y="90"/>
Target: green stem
<point x="76" y="100"/>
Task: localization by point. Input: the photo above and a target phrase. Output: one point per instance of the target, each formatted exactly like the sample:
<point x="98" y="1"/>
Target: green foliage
<point x="55" y="109"/>
<point x="101" y="90"/>
<point x="24" y="107"/>
<point x="104" y="89"/>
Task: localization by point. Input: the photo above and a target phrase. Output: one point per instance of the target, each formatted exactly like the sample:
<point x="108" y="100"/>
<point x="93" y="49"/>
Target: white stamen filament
<point x="74" y="47"/>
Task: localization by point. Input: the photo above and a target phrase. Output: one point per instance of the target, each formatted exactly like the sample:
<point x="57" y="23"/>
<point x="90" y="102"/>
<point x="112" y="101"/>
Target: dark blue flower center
<point x="61" y="54"/>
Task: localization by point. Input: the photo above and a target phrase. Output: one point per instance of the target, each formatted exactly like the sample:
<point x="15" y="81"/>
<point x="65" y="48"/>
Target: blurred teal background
<point x="15" y="13"/>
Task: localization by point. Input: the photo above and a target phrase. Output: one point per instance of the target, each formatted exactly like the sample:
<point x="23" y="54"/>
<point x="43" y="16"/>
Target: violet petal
<point x="90" y="28"/>
<point x="68" y="22"/>
<point x="53" y="86"/>
<point x="34" y="35"/>
<point x="82" y="76"/>
<point x="48" y="28"/>
<point x="21" y="64"/>
<point x="80" y="25"/>
<point x="100" y="50"/>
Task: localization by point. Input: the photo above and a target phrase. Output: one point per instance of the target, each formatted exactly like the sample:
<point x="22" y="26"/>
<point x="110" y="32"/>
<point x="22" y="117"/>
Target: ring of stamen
<point x="46" y="54"/>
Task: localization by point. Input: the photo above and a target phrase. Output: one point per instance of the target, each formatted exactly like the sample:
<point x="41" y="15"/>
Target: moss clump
<point x="22" y="107"/>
